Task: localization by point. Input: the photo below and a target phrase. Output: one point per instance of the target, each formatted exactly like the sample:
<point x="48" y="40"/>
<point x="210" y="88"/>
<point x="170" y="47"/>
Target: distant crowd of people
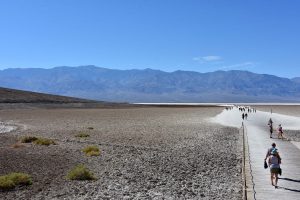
<point x="245" y="111"/>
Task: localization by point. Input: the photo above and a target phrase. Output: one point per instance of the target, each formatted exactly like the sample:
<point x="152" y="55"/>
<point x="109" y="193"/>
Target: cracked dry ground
<point x="146" y="153"/>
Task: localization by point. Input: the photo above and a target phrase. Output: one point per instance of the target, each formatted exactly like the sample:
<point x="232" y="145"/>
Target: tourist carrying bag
<point x="265" y="165"/>
<point x="280" y="171"/>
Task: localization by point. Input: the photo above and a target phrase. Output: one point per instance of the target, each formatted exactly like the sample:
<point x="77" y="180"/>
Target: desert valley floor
<point x="145" y="153"/>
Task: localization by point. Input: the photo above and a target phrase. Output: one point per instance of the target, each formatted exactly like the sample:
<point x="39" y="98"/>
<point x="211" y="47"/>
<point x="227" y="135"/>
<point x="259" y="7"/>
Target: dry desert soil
<point x="146" y="153"/>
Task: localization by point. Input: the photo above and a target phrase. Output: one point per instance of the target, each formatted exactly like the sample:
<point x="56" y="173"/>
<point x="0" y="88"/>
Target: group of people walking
<point x="279" y="129"/>
<point x="245" y="111"/>
<point x="272" y="158"/>
<point x="272" y="155"/>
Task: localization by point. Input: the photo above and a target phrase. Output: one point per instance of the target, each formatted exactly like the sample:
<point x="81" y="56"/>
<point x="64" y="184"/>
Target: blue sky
<point x="259" y="36"/>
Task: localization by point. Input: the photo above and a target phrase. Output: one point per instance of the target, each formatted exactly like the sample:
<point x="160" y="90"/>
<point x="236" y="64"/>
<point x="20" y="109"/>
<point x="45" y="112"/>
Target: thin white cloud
<point x="244" y="65"/>
<point x="207" y="59"/>
<point x="211" y="58"/>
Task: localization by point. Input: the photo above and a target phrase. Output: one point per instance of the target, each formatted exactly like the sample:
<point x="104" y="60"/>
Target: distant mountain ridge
<point x="149" y="85"/>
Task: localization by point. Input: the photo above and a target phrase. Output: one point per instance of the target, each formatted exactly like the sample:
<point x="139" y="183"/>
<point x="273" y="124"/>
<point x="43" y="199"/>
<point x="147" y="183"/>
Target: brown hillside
<point x="20" y="96"/>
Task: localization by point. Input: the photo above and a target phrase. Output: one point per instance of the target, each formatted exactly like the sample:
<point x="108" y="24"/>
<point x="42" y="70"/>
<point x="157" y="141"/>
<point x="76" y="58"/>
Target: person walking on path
<point x="271" y="130"/>
<point x="270" y="124"/>
<point x="274" y="161"/>
<point x="270" y="121"/>
<point x="243" y="116"/>
<point x="280" y="132"/>
<point x="246" y="116"/>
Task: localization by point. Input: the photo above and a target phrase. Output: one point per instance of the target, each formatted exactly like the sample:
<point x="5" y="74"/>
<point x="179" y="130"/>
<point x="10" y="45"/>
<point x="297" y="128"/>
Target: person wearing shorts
<point x="280" y="131"/>
<point x="274" y="164"/>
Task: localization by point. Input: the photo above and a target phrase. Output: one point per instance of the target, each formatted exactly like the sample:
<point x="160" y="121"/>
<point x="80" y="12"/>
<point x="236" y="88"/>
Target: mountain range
<point x="148" y="85"/>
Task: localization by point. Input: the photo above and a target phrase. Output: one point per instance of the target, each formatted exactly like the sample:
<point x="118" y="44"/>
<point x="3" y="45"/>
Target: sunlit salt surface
<point x="260" y="118"/>
<point x="4" y="128"/>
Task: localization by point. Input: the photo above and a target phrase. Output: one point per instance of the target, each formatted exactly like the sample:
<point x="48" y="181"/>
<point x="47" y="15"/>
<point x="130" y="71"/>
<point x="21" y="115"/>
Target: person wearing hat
<point x="274" y="161"/>
<point x="273" y="146"/>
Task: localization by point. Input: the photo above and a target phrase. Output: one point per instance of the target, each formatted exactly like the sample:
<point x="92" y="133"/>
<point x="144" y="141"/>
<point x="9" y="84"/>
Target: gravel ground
<point x="146" y="153"/>
<point x="293" y="110"/>
<point x="293" y="135"/>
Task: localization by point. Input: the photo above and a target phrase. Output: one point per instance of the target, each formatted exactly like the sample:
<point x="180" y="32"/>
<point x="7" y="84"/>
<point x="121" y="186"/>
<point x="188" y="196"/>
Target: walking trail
<point x="257" y="133"/>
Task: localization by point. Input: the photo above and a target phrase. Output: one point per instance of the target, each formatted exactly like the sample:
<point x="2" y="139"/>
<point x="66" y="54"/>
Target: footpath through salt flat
<point x="257" y="134"/>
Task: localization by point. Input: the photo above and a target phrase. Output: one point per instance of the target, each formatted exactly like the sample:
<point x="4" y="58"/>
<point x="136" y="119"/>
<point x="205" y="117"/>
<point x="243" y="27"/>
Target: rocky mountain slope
<point x="149" y="85"/>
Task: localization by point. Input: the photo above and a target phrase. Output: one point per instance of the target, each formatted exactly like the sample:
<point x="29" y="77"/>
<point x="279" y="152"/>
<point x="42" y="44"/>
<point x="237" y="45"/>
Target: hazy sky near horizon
<point x="258" y="36"/>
